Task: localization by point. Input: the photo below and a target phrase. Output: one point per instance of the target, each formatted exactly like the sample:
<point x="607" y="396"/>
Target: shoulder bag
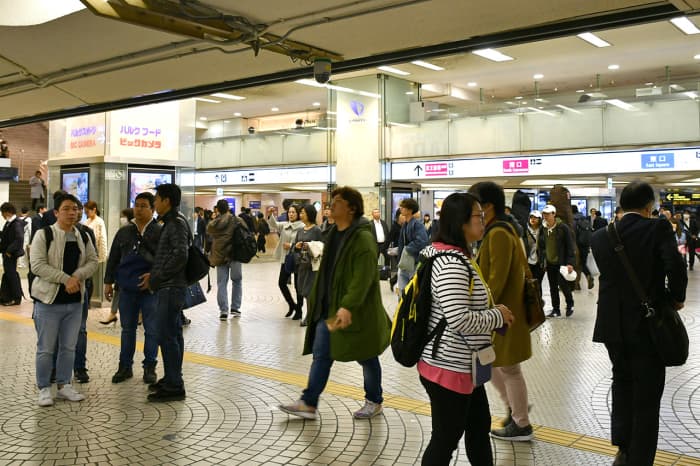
<point x="668" y="334"/>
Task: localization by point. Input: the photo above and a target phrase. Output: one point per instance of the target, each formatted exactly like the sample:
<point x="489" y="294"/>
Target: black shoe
<point x="235" y="313"/>
<point x="186" y="321"/>
<point x="297" y="315"/>
<point x="154" y="387"/>
<point x="13" y="302"/>
<point x="569" y="312"/>
<point x="122" y="374"/>
<point x="81" y="375"/>
<point x="554" y="314"/>
<point x="303" y="322"/>
<point x="165" y="394"/>
<point x="620" y="458"/>
<point x="149" y="375"/>
<point x="290" y="312"/>
<point x="223" y="316"/>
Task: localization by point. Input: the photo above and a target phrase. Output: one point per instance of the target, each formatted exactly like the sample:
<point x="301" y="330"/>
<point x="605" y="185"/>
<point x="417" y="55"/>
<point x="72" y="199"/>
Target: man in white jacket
<point x="62" y="259"/>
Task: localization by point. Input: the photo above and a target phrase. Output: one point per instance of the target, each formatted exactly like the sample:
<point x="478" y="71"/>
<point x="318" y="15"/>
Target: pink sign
<point x="436" y="169"/>
<point x="516" y="166"/>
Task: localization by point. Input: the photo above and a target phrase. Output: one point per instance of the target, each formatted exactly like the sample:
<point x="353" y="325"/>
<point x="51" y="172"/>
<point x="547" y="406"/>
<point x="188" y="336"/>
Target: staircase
<point x="20" y="194"/>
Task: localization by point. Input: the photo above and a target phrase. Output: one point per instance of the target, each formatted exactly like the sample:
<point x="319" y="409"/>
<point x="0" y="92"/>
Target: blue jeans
<point x="57" y="325"/>
<point x="130" y="303"/>
<point x="81" y="345"/>
<point x="232" y="269"/>
<point x="321" y="370"/>
<point x="404" y="276"/>
<point x="168" y="325"/>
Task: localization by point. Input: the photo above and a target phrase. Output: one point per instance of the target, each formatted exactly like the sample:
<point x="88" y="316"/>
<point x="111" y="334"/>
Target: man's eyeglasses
<point x="480" y="215"/>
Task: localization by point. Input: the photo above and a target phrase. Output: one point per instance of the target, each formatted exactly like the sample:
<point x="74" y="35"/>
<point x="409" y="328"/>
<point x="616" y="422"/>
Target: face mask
<point x="123" y="221"/>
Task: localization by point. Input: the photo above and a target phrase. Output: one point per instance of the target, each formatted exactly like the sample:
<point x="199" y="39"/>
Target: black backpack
<point x="244" y="245"/>
<point x="409" y="331"/>
<point x="583" y="232"/>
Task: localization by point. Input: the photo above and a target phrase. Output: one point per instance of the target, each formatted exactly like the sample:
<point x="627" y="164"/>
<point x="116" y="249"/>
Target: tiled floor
<point x="238" y="371"/>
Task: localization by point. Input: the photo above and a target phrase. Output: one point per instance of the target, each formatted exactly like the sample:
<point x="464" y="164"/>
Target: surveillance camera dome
<point x="322" y="70"/>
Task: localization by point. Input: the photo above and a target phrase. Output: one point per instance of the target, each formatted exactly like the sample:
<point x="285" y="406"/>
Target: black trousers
<point x="537" y="272"/>
<point x="381" y="251"/>
<point x="454" y="415"/>
<point x="637" y="386"/>
<point x="284" y="287"/>
<point x="11" y="287"/>
<point x="37" y="200"/>
<point x="557" y="282"/>
<point x="584" y="257"/>
<point x="692" y="244"/>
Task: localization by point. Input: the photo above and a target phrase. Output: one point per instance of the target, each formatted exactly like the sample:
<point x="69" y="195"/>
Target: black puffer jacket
<point x="171" y="256"/>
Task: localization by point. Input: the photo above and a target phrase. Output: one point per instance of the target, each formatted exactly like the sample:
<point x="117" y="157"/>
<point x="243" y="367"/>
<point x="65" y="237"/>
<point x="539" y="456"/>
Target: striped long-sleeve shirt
<point x="464" y="304"/>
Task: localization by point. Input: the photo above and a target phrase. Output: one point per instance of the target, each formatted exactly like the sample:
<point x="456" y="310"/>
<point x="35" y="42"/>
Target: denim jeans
<point x="81" y="345"/>
<point x="223" y="272"/>
<point x="57" y="325"/>
<point x="168" y="325"/>
<point x="130" y="303"/>
<point x="404" y="276"/>
<point x="321" y="370"/>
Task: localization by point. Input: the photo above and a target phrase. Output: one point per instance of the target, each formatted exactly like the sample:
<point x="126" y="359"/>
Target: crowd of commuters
<point x="481" y="251"/>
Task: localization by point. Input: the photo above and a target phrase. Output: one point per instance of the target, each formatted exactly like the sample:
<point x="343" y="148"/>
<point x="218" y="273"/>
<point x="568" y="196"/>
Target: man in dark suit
<point x="597" y="222"/>
<point x="690" y="225"/>
<point x="380" y="231"/>
<point x="11" y="247"/>
<point x="638" y="373"/>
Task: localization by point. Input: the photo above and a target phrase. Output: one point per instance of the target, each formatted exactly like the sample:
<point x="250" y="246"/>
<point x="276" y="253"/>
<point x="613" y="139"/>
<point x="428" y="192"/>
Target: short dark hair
<point x="455" y="212"/>
<point x="92" y="205"/>
<point x="128" y="213"/>
<point x="39" y="207"/>
<point x="310" y="212"/>
<point x="8" y="208"/>
<point x="222" y="206"/>
<point x="636" y="195"/>
<point x="24" y="210"/>
<point x="354" y="199"/>
<point x="286" y="203"/>
<point x="490" y="193"/>
<point x="574" y="208"/>
<point x="148" y="196"/>
<point x="170" y="191"/>
<point x="410" y="204"/>
<point x="38" y="172"/>
<point x="63" y="198"/>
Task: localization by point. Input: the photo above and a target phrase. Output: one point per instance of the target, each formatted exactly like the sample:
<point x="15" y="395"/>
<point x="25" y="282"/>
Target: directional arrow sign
<point x="418" y="169"/>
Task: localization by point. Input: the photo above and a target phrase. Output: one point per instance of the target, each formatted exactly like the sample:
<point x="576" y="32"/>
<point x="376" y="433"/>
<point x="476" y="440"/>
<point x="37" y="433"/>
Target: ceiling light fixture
<point x="697" y="57"/>
<point x="203" y="118"/>
<point x="409" y="92"/>
<point x="316" y="104"/>
<point x="313" y="83"/>
<point x="275" y="109"/>
<point x="472" y="84"/>
<point x="430" y="66"/>
<point x="237" y="114"/>
<point x="593" y="39"/>
<point x="518" y="97"/>
<point x="569" y="109"/>
<point x="493" y="55"/>
<point x="535" y="109"/>
<point x="391" y="69"/>
<point x="649" y="84"/>
<point x="580" y="90"/>
<point x="223" y="95"/>
<point x="537" y="76"/>
<point x="685" y="25"/>
<point x="211" y="101"/>
<point x="621" y="104"/>
<point x="613" y="67"/>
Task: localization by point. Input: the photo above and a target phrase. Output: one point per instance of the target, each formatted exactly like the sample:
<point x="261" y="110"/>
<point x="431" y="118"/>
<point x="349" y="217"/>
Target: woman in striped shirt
<point x="462" y="298"/>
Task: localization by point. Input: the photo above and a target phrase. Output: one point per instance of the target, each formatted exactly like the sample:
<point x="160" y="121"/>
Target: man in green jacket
<point x="347" y="321"/>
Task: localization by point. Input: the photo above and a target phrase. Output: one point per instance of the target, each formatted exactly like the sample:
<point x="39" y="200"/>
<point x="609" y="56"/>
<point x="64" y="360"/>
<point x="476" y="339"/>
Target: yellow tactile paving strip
<point x="542" y="433"/>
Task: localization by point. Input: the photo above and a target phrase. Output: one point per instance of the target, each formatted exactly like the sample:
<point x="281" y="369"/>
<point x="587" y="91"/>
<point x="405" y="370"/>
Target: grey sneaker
<point x="69" y="393"/>
<point x="299" y="408"/>
<point x="513" y="433"/>
<point x="368" y="411"/>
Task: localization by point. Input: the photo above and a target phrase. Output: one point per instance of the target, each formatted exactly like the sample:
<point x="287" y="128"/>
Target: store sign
<point x="150" y="132"/>
<point x="552" y="164"/>
<point x="264" y="176"/>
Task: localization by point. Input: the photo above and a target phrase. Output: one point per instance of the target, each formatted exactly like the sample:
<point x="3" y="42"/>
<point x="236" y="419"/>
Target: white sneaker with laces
<point x="45" y="398"/>
<point x="69" y="393"/>
<point x="369" y="410"/>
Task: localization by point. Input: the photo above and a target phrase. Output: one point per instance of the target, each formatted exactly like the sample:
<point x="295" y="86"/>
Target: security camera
<point x="322" y="70"/>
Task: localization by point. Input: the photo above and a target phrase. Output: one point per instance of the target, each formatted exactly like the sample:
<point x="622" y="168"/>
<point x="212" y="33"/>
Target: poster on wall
<point x="76" y="182"/>
<point x="142" y="180"/>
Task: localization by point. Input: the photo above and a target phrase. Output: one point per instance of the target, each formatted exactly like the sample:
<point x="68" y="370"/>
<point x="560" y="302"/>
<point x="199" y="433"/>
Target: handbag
<point x="482" y="362"/>
<point x="194" y="295"/>
<point x="666" y="329"/>
<point x="290" y="262"/>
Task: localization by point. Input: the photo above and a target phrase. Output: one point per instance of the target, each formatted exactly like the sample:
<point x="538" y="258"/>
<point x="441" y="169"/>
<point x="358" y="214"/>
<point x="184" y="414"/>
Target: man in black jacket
<point x="690" y="225"/>
<point x="557" y="250"/>
<point x="168" y="280"/>
<point x="11" y="247"/>
<point x="638" y="373"/>
<point x="380" y="231"/>
<point x="597" y="222"/>
<point x="131" y="256"/>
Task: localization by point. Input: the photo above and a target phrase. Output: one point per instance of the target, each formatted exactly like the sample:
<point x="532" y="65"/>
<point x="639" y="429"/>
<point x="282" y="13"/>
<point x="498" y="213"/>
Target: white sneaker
<point x="368" y="411"/>
<point x="45" y="398"/>
<point x="69" y="393"/>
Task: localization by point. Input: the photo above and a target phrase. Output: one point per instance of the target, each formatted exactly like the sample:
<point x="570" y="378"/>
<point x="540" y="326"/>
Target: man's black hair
<point x="574" y="208"/>
<point x="222" y="206"/>
<point x="490" y="193"/>
<point x="636" y="195"/>
<point x="354" y="199"/>
<point x="170" y="191"/>
<point x="8" y="208"/>
<point x="65" y="197"/>
<point x="410" y="204"/>
<point x="148" y="196"/>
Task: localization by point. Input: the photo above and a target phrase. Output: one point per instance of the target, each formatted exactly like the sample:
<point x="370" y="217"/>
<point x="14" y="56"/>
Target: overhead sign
<point x="313" y="174"/>
<point x="552" y="164"/>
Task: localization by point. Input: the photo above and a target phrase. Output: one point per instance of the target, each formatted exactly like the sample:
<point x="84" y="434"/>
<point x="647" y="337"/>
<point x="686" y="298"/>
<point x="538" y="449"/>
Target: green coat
<point x="503" y="267"/>
<point x="354" y="282"/>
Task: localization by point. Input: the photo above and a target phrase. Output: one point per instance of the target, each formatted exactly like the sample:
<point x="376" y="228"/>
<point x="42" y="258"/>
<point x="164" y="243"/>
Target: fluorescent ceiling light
<point x="649" y="84"/>
<point x="537" y="76"/>
<point x="316" y="104"/>
<point x="547" y="182"/>
<point x="613" y="67"/>
<point x="564" y="107"/>
<point x="519" y="97"/>
<point x="621" y="104"/>
<point x="33" y="12"/>
<point x="391" y="69"/>
<point x="697" y="57"/>
<point x="593" y="39"/>
<point x="275" y="109"/>
<point x="492" y="54"/>
<point x="535" y="109"/>
<point x="237" y="114"/>
<point x="685" y="25"/>
<point x="203" y="118"/>
<point x="472" y="84"/>
<point x="430" y="66"/>
<point x="597" y="95"/>
<point x="580" y="90"/>
<point x="223" y="95"/>
<point x="409" y="92"/>
<point x="313" y="83"/>
<point x="211" y="101"/>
